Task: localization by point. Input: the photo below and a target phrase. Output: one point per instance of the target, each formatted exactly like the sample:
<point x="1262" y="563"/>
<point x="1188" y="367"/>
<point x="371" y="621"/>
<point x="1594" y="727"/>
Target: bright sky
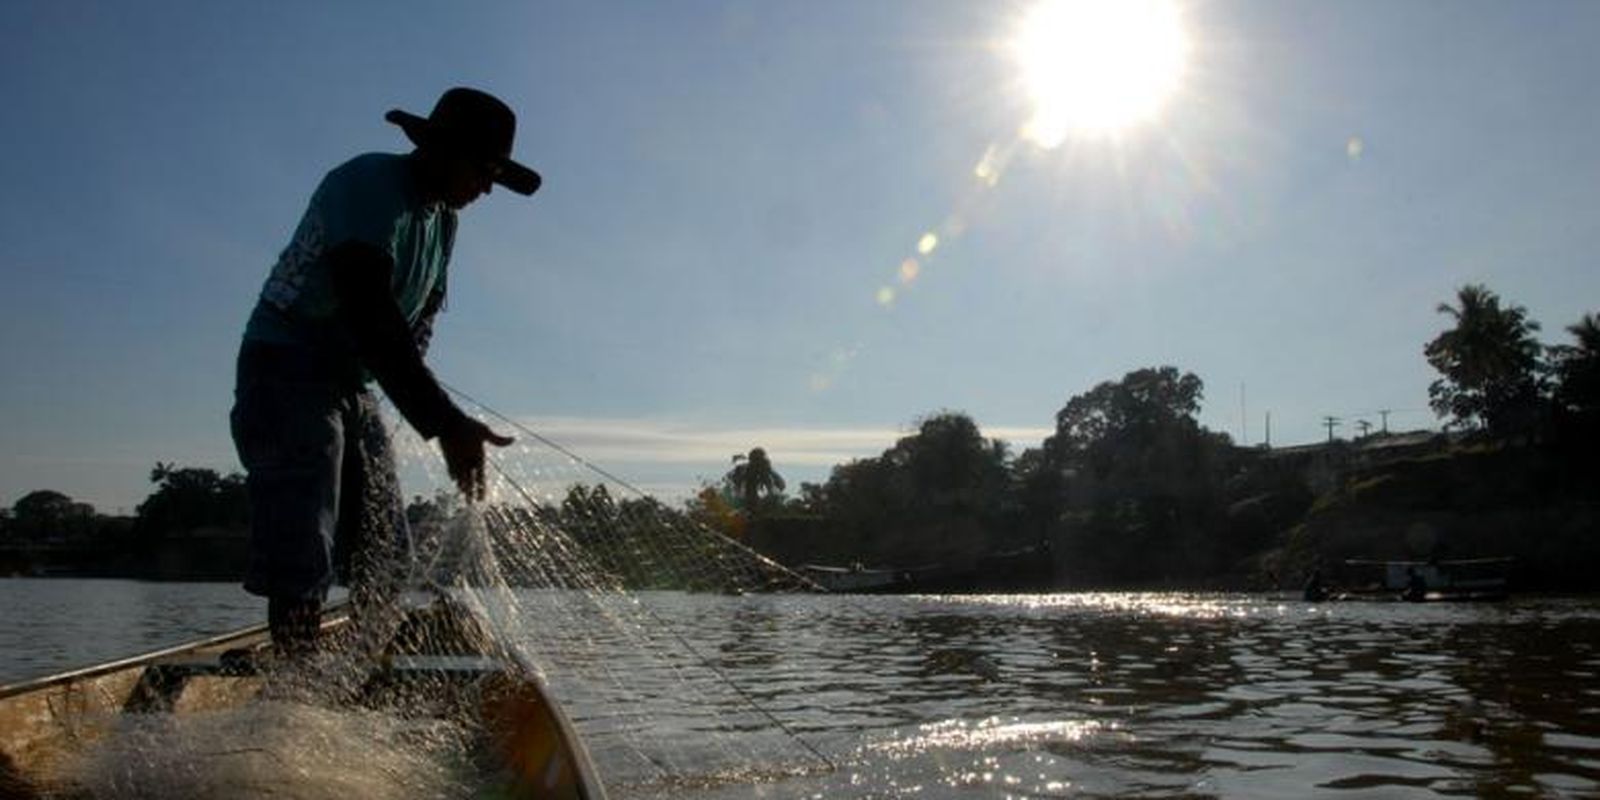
<point x="718" y="258"/>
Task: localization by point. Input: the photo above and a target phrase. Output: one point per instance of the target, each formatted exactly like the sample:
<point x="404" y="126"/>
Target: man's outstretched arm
<point x="361" y="275"/>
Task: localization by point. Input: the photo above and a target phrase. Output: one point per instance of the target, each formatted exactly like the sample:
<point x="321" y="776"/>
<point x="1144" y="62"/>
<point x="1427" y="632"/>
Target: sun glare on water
<point x="1098" y="66"/>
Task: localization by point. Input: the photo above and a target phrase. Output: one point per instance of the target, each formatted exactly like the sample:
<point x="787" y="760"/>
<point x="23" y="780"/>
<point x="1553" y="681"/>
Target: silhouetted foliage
<point x="753" y="480"/>
<point x="1577" y="368"/>
<point x="936" y="494"/>
<point x="1489" y="362"/>
<point x="1129" y="490"/>
<point x="1130" y="477"/>
<point x="714" y="509"/>
<point x="191" y="497"/>
<point x="50" y="516"/>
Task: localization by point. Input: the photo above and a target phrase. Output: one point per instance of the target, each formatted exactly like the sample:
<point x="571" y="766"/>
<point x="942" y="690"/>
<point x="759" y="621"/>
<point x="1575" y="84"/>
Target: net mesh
<point x="567" y="570"/>
<point x="575" y="568"/>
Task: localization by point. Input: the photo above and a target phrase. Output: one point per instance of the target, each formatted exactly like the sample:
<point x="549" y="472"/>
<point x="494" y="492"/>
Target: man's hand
<point x="463" y="454"/>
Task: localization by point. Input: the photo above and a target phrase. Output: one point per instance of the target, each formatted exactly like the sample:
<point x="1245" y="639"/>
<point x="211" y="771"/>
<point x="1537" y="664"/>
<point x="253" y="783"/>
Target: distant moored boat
<point x="1434" y="580"/>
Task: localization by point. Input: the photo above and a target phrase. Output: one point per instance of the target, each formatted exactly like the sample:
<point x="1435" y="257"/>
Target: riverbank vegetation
<point x="1130" y="490"/>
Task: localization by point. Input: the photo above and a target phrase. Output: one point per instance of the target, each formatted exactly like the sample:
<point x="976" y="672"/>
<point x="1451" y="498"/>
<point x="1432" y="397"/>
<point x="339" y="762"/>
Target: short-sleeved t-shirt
<point x="372" y="198"/>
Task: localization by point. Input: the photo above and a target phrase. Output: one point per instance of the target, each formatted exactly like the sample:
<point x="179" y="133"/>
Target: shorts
<point x="325" y="503"/>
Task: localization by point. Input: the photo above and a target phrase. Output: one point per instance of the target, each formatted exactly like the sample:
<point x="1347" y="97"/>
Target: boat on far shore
<point x="1022" y="569"/>
<point x="859" y="579"/>
<point x="1434" y="580"/>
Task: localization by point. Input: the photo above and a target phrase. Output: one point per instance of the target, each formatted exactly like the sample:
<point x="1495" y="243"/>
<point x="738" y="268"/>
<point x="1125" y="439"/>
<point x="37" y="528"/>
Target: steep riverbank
<point x="1529" y="502"/>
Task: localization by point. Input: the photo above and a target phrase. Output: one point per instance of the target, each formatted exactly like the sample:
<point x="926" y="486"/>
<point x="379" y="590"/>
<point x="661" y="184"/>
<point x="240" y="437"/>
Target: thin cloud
<point x="667" y="459"/>
<point x="654" y="441"/>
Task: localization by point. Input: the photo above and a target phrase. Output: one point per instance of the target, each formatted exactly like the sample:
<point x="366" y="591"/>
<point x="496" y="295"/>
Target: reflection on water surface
<point x="1123" y="694"/>
<point x="1071" y="695"/>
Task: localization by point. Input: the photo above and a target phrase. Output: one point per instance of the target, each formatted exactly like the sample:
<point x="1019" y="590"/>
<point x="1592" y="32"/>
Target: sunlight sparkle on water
<point x="957" y="734"/>
<point x="1097" y="66"/>
<point x="1194" y="605"/>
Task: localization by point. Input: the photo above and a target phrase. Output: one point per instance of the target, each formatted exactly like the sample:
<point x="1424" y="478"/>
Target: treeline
<point x="1497" y="379"/>
<point x="1129" y="489"/>
<point x="192" y="525"/>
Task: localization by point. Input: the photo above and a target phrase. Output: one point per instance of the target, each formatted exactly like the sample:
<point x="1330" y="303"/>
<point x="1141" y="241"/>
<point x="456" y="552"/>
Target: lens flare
<point x="909" y="270"/>
<point x="1355" y="148"/>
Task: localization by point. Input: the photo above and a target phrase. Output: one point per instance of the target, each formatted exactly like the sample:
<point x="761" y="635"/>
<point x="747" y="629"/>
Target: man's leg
<point x="290" y="439"/>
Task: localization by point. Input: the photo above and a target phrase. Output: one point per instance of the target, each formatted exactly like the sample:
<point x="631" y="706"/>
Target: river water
<point x="1065" y="695"/>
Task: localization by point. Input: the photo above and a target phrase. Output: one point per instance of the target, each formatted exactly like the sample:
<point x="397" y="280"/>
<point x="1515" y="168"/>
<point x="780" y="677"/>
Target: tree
<point x="751" y="478"/>
<point x="1133" y="438"/>
<point x="1140" y="404"/>
<point x="710" y="508"/>
<point x="950" y="468"/>
<point x="50" y="515"/>
<point x="44" y="505"/>
<point x="1037" y="488"/>
<point x="190" y="497"/>
<point x="936" y="495"/>
<point x="1577" y="368"/>
<point x="1489" y="363"/>
<point x="1131" y="476"/>
<point x="589" y="510"/>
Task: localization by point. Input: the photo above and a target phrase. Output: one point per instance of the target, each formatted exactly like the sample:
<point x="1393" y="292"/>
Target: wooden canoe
<point x="529" y="747"/>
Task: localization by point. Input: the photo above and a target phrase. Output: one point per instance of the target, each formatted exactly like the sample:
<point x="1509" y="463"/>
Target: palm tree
<point x="1577" y="367"/>
<point x="1489" y="362"/>
<point x="751" y="477"/>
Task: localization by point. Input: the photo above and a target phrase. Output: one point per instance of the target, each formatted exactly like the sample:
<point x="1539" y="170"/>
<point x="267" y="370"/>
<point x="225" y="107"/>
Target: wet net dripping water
<point x="562" y="565"/>
<point x="566" y="562"/>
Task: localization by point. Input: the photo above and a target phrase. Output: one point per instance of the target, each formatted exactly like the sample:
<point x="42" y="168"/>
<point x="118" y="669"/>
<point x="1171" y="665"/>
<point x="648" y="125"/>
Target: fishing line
<point x="556" y="446"/>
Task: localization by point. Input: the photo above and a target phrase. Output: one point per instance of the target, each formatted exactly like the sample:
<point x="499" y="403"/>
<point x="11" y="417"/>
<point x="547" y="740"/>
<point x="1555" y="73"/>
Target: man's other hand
<point x="463" y="454"/>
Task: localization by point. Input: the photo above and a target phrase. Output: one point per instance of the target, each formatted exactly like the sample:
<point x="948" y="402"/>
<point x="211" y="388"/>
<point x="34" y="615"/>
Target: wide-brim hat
<point x="474" y="123"/>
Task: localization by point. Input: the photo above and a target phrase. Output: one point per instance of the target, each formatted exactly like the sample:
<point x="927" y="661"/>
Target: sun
<point x="1098" y="66"/>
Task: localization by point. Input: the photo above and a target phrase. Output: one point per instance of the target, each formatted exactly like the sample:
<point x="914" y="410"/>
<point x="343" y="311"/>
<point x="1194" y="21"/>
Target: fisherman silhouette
<point x="351" y="299"/>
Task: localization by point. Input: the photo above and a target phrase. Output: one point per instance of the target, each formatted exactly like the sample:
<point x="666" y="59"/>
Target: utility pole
<point x="1330" y="423"/>
<point x="1244" y="421"/>
<point x="1385" y="414"/>
<point x="1269" y="430"/>
<point x="1364" y="426"/>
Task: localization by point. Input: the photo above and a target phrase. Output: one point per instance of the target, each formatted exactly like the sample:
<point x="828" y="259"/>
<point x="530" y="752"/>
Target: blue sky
<point x="730" y="186"/>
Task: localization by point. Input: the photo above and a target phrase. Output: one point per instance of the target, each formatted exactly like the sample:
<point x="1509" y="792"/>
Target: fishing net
<point x="576" y="569"/>
<point x="567" y="570"/>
